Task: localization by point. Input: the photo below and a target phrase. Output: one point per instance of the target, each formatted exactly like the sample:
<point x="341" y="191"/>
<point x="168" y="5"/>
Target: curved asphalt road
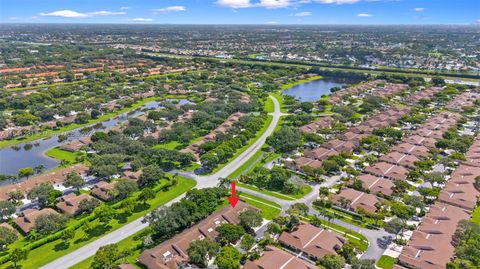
<point x="135" y="226"/>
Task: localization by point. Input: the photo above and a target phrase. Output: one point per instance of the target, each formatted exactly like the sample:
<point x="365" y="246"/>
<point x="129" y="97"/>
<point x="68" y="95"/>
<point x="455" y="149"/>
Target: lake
<point x="311" y="91"/>
<point x="31" y="154"/>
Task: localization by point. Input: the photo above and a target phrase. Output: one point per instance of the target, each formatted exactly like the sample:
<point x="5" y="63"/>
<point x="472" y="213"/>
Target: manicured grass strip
<point x="63" y="155"/>
<point x="247" y="165"/>
<point x="279" y="97"/>
<point x="386" y="262"/>
<point x="266" y="192"/>
<point x="300" y="81"/>
<point x="269" y="106"/>
<point x="359" y="240"/>
<point x="49" y="133"/>
<point x="250" y="142"/>
<point x="130" y="242"/>
<point x="55" y="249"/>
<point x="351" y="218"/>
<point x="269" y="209"/>
<point x="476" y="215"/>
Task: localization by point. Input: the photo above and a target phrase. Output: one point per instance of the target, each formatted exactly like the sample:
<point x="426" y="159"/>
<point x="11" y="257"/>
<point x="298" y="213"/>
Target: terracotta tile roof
<point x="27" y="221"/>
<point x="320" y="153"/>
<point x="357" y="199"/>
<point x="473" y="154"/>
<point x="313" y="241"/>
<point x="376" y="184"/>
<point x="317" y="125"/>
<point x="69" y="204"/>
<point x="101" y="189"/>
<point x="173" y="252"/>
<point x="339" y="145"/>
<point x="407" y="148"/>
<point x="76" y="144"/>
<point x="421" y="141"/>
<point x="388" y="170"/>
<point x="398" y="158"/>
<point x="274" y="258"/>
<point x="460" y="190"/>
<point x="430" y="246"/>
<point x="55" y="177"/>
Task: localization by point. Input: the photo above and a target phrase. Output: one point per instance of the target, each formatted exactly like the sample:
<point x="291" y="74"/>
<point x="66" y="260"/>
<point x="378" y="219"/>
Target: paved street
<point x="376" y="238"/>
<point x="135" y="226"/>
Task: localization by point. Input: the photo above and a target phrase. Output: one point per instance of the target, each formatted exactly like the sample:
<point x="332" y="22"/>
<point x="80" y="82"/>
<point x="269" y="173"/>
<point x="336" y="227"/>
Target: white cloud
<point x="141" y="19"/>
<point x="74" y="14"/>
<point x="274" y="3"/>
<point x="303" y="14"/>
<point x="234" y="3"/>
<point x="272" y="22"/>
<point x="364" y="15"/>
<point x="338" y="2"/>
<point x="105" y="13"/>
<point x="124" y="8"/>
<point x="478" y="21"/>
<point x="419" y="9"/>
<point x="65" y="14"/>
<point x="172" y="8"/>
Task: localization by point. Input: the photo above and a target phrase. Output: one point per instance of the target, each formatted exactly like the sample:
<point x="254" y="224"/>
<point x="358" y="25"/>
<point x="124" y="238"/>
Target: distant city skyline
<point x="242" y="11"/>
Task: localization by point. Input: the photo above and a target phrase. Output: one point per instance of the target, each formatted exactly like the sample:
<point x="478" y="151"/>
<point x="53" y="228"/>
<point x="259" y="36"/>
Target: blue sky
<point x="242" y="11"/>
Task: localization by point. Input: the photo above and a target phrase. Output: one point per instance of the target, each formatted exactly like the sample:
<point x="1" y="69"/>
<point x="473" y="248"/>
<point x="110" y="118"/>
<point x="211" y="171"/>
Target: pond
<point x="31" y="154"/>
<point x="311" y="91"/>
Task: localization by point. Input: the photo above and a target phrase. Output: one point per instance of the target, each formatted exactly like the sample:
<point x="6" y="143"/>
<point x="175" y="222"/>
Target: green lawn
<point x="49" y="133"/>
<point x="246" y="166"/>
<point x="260" y="158"/>
<point x="269" y="209"/>
<point x="172" y="145"/>
<point x="132" y="242"/>
<point x="353" y="219"/>
<point x="269" y="106"/>
<point x="476" y="215"/>
<point x="59" y="154"/>
<point x="55" y="249"/>
<point x="305" y="190"/>
<point x="386" y="262"/>
<point x="359" y="240"/>
<point x="279" y="97"/>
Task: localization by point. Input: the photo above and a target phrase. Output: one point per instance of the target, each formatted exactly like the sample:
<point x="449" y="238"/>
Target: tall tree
<point x="228" y="258"/>
<point x="7" y="236"/>
<point x="74" y="180"/>
<point x="199" y="250"/>
<point x="106" y="257"/>
<point x="7" y="208"/>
